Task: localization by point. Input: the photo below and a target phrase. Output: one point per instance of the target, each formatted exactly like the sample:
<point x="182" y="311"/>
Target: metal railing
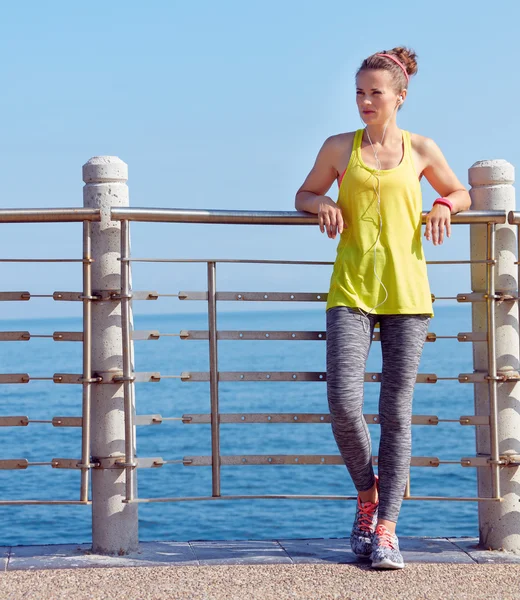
<point x="94" y="378"/>
<point x="57" y="215"/>
<point x="214" y="376"/>
<point x="212" y="296"/>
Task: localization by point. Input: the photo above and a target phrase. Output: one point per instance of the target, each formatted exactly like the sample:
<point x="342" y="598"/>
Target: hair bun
<point x="408" y="57"/>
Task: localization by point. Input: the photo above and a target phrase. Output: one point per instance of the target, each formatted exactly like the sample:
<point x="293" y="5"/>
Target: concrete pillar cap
<point x="104" y="169"/>
<point x="491" y="172"/>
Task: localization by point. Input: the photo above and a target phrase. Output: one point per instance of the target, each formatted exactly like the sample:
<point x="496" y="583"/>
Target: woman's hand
<point x="329" y="216"/>
<point x="311" y="195"/>
<point x="436" y="220"/>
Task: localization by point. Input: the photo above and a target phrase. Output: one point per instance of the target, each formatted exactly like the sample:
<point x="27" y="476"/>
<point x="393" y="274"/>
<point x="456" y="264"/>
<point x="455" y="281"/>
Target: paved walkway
<point x="312" y="569"/>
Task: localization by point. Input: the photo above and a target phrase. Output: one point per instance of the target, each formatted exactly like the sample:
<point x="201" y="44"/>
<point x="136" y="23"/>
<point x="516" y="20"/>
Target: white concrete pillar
<point x="114" y="524"/>
<point x="492" y="189"/>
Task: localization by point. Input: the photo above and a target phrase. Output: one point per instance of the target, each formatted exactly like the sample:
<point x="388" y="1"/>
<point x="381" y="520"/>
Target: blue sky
<point x="225" y="105"/>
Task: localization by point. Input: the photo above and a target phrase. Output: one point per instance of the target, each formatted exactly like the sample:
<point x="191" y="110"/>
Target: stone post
<point x="114" y="524"/>
<point x="491" y="189"/>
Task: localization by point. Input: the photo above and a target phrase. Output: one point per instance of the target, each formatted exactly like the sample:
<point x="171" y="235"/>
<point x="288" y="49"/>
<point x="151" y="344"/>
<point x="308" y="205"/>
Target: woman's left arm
<point x="446" y="184"/>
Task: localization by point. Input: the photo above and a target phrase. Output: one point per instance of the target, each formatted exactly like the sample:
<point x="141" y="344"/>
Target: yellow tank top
<point x="399" y="261"/>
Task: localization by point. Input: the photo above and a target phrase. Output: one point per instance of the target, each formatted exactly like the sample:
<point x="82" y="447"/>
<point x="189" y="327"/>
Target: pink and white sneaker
<point x="385" y="552"/>
<point x="361" y="537"/>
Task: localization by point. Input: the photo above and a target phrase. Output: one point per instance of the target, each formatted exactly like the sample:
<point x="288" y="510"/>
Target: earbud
<point x="401" y="100"/>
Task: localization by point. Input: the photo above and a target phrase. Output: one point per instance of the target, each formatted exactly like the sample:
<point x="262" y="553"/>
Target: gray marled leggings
<point x="348" y="345"/>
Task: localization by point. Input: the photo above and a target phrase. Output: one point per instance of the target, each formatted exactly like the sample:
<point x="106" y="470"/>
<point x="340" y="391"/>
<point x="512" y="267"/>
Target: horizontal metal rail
<point x="41" y="260"/>
<point x="232" y="261"/>
<point x="267" y="261"/>
<point x="13" y="378"/>
<point x="299" y="376"/>
<point x="74" y="336"/>
<point x="299" y="497"/>
<point x="308" y="296"/>
<point x="112" y="462"/>
<point x="297" y="418"/>
<point x="118" y="462"/>
<point x="24" y="421"/>
<point x="266" y="296"/>
<point x="271" y="335"/>
<point x="296" y="460"/>
<point x="245" y="217"/>
<point x="44" y="502"/>
<point x="77" y="378"/>
<point x="49" y="215"/>
<point x="259" y="335"/>
<point x="239" y="376"/>
<point x="271" y="417"/>
<point x="513" y="217"/>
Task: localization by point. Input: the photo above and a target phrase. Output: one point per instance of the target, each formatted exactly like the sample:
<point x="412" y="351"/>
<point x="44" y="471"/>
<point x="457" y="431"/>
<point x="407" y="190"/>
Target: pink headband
<point x="391" y="57"/>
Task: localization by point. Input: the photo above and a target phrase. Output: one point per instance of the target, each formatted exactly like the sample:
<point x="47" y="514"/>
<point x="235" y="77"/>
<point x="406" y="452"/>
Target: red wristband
<point x="444" y="201"/>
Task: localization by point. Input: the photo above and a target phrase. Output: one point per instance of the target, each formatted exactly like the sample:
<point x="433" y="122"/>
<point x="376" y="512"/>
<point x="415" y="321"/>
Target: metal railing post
<point x="87" y="359"/>
<point x="128" y="372"/>
<point x="492" y="189"/>
<point x="213" y="384"/>
<point x="114" y="523"/>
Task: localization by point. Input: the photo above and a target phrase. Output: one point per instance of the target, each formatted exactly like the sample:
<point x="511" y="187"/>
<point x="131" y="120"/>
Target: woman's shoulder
<point x="340" y="143"/>
<point x="422" y="144"/>
<point x="340" y="139"/>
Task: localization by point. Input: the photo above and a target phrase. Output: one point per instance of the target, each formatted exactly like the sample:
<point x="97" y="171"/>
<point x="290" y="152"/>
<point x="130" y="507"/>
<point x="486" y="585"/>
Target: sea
<point x="172" y="439"/>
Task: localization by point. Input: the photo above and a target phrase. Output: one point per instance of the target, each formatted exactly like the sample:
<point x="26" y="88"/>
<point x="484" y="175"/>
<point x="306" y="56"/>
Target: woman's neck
<point x="378" y="135"/>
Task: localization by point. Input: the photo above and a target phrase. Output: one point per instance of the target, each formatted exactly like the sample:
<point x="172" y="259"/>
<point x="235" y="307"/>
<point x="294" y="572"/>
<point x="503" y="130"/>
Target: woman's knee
<point x="345" y="412"/>
<point x="395" y="419"/>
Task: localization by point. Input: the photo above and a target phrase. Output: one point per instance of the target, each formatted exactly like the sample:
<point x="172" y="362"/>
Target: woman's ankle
<point x="390" y="525"/>
<point x="370" y="495"/>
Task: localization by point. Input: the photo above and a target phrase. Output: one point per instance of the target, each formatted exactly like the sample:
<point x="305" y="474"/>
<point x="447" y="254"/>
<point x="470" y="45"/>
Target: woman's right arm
<point x="311" y="195"/>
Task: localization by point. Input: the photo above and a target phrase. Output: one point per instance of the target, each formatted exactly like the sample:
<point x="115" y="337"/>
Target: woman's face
<point x="376" y="96"/>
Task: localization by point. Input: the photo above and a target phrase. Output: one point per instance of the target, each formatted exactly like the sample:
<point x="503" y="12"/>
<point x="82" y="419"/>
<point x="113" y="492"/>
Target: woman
<point x="379" y="276"/>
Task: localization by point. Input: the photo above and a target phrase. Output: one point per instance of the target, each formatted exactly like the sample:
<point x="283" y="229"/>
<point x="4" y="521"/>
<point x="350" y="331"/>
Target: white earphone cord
<point x="377" y="191"/>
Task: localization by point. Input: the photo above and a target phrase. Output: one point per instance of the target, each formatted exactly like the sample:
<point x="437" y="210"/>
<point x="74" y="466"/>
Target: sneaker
<point x="364" y="526"/>
<point x="385" y="552"/>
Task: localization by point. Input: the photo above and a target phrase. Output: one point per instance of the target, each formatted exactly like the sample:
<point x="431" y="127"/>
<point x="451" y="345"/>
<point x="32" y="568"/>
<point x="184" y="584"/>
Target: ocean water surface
<point x="173" y="440"/>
